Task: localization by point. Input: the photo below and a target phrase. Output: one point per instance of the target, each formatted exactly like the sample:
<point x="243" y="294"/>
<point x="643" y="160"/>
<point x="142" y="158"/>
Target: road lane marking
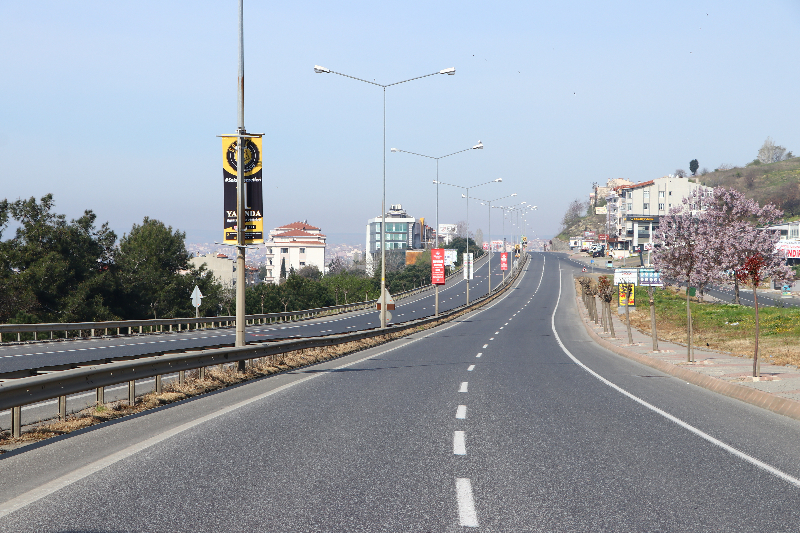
<point x="485" y="346"/>
<point x="491" y="338"/>
<point x="479" y="353"/>
<point x="467" y="517"/>
<point x="461" y="412"/>
<point x="470" y="368"/>
<point x="463" y="387"/>
<point x="459" y="443"/>
<point x="727" y="447"/>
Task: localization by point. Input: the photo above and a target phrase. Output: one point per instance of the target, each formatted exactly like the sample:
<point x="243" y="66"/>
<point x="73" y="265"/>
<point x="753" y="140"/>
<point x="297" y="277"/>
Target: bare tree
<point x="574" y="213"/>
<point x="479" y="237"/>
<point x="680" y="173"/>
<point x="725" y="166"/>
<point x="770" y="152"/>
<point x="461" y="229"/>
<point x="703" y="171"/>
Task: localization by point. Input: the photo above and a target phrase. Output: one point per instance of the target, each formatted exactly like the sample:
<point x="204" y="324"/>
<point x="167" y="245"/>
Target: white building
<point x="633" y="211"/>
<point x="222" y="266"/>
<point x="296" y="245"/>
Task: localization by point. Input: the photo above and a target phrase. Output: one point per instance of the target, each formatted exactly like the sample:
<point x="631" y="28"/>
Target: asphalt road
<point x="15" y="357"/>
<point x="508" y="419"/>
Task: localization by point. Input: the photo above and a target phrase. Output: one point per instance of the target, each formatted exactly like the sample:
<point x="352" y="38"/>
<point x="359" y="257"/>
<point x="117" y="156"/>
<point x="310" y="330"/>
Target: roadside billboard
<point x="504" y="261"/>
<point x="254" y="201"/>
<point x="623" y="295"/>
<point x="626" y="275"/>
<point x="450" y="257"/>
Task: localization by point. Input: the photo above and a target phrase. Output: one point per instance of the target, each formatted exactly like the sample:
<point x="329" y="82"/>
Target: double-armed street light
<point x="437" y="182"/>
<point x="478" y="146"/>
<point x="489" y="203"/>
<point x="322" y="70"/>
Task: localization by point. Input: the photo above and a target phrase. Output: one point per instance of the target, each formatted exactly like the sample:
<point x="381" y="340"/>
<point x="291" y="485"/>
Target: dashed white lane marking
<point x="467" y="517"/>
<point x="459" y="443"/>
<point x="479" y="354"/>
<point x="492" y="338"/>
<point x="485" y="346"/>
<point x="461" y="412"/>
<point x="463" y="387"/>
<point x="727" y="447"/>
<point x="471" y="367"/>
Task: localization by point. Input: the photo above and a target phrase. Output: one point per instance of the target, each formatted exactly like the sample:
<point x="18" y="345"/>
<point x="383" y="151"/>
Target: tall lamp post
<point x="478" y="146"/>
<point x="322" y="70"/>
<point x="489" y="203"/>
<point x="498" y="180"/>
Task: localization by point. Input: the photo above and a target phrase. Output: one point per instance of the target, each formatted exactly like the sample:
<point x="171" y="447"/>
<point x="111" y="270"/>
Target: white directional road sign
<point x="197" y="296"/>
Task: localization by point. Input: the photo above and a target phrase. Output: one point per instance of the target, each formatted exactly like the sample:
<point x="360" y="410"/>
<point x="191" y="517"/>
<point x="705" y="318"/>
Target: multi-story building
<point x="295" y="245"/>
<point x="633" y="211"/>
<point x="402" y="232"/>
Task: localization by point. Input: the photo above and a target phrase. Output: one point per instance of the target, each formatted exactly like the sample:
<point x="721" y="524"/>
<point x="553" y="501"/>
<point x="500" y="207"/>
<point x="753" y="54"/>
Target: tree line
<point x="58" y="270"/>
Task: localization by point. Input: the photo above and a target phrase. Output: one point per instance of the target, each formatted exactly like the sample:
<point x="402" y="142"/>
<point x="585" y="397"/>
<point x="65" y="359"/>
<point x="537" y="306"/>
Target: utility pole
<point x="240" y="195"/>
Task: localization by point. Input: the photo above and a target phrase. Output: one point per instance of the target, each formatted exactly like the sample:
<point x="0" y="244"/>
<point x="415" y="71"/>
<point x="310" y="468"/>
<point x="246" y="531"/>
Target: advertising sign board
<point x="254" y="201"/>
<point x="437" y="266"/>
<point x="650" y="277"/>
<point x="450" y="257"/>
<point x="623" y="295"/>
<point x="485" y="246"/>
<point x="468" y="271"/>
<point x="497" y="245"/>
<point x="626" y="275"/>
<point x="504" y="261"/>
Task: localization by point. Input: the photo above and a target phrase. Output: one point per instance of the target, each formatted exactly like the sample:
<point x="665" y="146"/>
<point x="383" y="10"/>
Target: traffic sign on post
<point x="197" y="299"/>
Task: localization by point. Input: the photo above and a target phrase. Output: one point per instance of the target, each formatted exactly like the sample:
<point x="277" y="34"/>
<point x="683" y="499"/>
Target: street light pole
<point x="478" y="146"/>
<point x="322" y="70"/>
<point x="498" y="180"/>
<point x="489" y="203"/>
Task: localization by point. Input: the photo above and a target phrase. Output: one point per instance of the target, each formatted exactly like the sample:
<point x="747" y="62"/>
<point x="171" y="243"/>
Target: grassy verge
<point x="722" y="327"/>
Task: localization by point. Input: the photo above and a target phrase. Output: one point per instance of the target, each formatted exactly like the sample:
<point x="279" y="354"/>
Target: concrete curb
<point x="758" y="398"/>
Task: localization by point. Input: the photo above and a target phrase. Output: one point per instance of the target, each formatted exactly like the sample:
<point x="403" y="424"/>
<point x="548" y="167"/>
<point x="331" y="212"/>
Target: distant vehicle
<point x="597" y="250"/>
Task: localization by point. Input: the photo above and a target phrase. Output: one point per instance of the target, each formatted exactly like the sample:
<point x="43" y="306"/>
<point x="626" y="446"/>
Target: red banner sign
<point x="437" y="266"/>
<point x="504" y="261"/>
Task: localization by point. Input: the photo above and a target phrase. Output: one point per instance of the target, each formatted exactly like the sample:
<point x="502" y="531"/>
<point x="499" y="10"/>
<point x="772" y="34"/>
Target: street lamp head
<point x="394" y="150"/>
<point x="514" y="194"/>
<point x="463" y="196"/>
<point x="449" y="71"/>
<point x="320" y="70"/>
<point x="478" y="146"/>
<point x="434" y="181"/>
<point x="499" y="179"/>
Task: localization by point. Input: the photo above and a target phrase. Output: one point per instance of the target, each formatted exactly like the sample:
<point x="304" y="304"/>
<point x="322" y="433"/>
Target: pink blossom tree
<point x="732" y="212"/>
<point x="684" y="251"/>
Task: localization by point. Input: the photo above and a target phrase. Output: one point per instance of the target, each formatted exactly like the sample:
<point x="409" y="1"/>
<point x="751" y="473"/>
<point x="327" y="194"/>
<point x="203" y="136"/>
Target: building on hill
<point x="224" y="269"/>
<point x="298" y="244"/>
<point x="634" y="210"/>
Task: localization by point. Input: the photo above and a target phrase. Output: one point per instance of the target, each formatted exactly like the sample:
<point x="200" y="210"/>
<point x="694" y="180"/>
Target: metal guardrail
<point x="158" y="324"/>
<point x="27" y="390"/>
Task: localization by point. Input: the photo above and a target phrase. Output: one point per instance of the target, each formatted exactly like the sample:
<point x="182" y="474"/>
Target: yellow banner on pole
<point x="254" y="200"/>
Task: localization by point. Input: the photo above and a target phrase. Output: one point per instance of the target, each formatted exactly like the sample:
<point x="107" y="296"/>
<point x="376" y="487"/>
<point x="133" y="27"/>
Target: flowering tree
<point x="760" y="261"/>
<point x="733" y="213"/>
<point x="684" y="252"/>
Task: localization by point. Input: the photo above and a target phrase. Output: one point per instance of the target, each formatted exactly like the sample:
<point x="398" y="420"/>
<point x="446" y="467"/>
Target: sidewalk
<point x="777" y="390"/>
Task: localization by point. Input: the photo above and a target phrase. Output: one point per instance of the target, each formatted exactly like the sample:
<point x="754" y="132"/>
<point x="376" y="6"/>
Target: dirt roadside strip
<point x="777" y="391"/>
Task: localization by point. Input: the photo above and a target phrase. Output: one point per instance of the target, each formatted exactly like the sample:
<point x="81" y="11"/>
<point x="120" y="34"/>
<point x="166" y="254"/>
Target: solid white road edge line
<point x="467" y="516"/>
<point x="727" y="447"/>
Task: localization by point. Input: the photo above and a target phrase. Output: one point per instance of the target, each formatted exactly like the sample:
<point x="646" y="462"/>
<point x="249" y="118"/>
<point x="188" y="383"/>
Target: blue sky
<point x="115" y="106"/>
